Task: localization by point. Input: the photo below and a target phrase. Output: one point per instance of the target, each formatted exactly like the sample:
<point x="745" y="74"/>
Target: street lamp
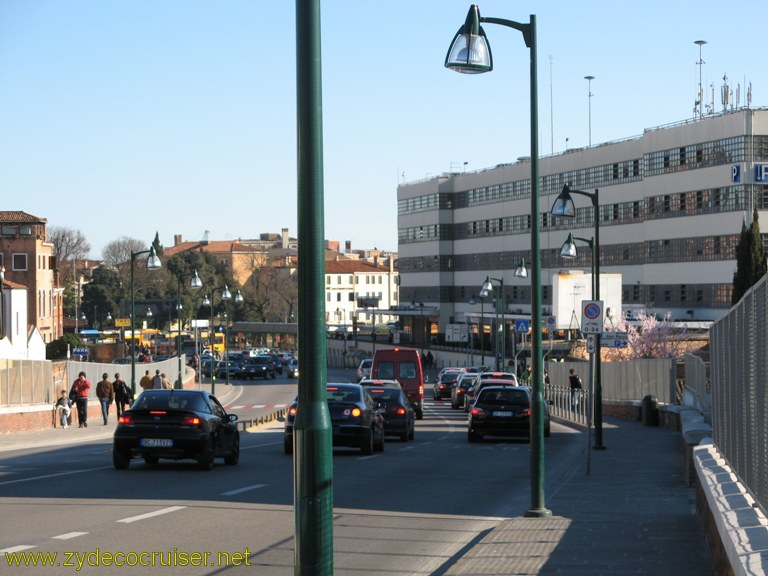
<point x="195" y="284"/>
<point x="238" y="298"/>
<point x="500" y="343"/>
<point x="2" y="302"/>
<point x="153" y="263"/>
<point x="563" y="206"/>
<point x="421" y="322"/>
<point x="471" y="53"/>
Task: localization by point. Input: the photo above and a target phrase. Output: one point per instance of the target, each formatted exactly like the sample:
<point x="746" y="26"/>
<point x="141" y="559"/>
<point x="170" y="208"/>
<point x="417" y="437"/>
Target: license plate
<point x="503" y="413"/>
<point x="156" y="442"/>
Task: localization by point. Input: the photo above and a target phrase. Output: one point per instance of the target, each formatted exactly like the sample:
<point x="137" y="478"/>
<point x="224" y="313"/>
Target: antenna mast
<point x="700" y="94"/>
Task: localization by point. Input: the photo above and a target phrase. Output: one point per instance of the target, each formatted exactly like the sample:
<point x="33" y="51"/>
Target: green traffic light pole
<point x="470" y="53"/>
<point x="153" y="262"/>
<point x="564" y="206"/>
<point x="501" y="325"/>
<point x="312" y="460"/>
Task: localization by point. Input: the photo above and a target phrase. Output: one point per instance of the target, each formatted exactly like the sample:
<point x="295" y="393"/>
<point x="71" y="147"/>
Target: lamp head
<point x="563" y="205"/>
<point x="487" y="288"/>
<point x="206" y="301"/>
<point x="153" y="261"/>
<point x="226" y="294"/>
<point x="470" y="52"/>
<point x="521" y="271"/>
<point x="238" y="296"/>
<point x="196" y="282"/>
<point x="472" y="300"/>
<point x="149" y="312"/>
<point x="569" y="247"/>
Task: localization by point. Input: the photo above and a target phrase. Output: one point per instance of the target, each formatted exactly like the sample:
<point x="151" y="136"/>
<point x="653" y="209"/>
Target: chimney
<point x="285" y="239"/>
<point x="348" y="246"/>
<point x="176" y="239"/>
<point x="376" y="261"/>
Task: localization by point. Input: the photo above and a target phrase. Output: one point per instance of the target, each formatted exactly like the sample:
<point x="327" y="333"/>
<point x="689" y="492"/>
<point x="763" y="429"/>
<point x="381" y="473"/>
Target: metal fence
<point x="739" y="373"/>
<point x="26" y="382"/>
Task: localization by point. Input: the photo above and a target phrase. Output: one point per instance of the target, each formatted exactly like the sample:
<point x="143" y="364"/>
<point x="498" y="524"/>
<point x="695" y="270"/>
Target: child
<point x="64" y="406"/>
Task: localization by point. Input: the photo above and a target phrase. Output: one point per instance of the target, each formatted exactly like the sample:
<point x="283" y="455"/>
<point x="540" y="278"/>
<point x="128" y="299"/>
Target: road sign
<point x="591" y="344"/>
<point x="591" y="316"/>
<point x="522" y="326"/>
<point x="122" y="322"/>
<point x="614" y="339"/>
<point x="80" y="351"/>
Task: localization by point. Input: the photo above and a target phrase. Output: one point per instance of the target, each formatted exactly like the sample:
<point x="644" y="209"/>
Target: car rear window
<point x="384" y="394"/>
<point x="171" y="401"/>
<point x="343" y="394"/>
<point x="505" y="396"/>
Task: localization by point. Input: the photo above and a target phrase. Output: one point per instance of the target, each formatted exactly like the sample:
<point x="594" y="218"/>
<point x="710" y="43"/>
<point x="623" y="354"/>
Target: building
<point x="29" y="261"/>
<point x="357" y="288"/>
<point x="671" y="207"/>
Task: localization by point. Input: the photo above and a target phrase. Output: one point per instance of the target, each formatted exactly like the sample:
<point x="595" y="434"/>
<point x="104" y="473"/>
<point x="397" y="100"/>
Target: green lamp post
<point x="153" y="263"/>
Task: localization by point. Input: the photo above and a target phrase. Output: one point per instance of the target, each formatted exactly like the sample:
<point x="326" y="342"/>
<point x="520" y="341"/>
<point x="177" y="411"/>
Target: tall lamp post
<point x="238" y="298"/>
<point x="414" y="304"/>
<point x="471" y="53"/>
<point x="226" y="295"/>
<point x="195" y="284"/>
<point x="563" y="206"/>
<point x="153" y="263"/>
<point x="501" y="328"/>
<point x="2" y="302"/>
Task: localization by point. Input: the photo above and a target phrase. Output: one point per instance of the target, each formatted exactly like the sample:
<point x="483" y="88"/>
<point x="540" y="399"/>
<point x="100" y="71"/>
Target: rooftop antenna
<point x="725" y="93"/>
<point x="749" y="95"/>
<point x="700" y="94"/>
<point x="589" y="90"/>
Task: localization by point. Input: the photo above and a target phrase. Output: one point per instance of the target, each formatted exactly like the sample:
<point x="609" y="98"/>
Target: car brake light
<point x="478" y="412"/>
<point x="400" y="411"/>
<point x="356" y="412"/>
<point x="377" y="391"/>
<point x="421" y="391"/>
<point x="526" y="412"/>
<point x="160" y="412"/>
<point x="191" y="421"/>
<point x="292" y="411"/>
<point x="124" y="420"/>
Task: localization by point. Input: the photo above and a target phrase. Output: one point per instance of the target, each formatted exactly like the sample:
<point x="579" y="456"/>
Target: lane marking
<point x="13" y="549"/>
<point x="245" y="489"/>
<point x="69" y="535"/>
<point x="7" y="482"/>
<point x="151" y="514"/>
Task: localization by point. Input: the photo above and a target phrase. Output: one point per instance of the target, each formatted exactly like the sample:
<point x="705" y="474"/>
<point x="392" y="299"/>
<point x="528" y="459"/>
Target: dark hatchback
<point x="259" y="367"/>
<point x="356" y="420"/>
<point x="399" y="416"/>
<point x="235" y="369"/>
<point x="445" y="383"/>
<point x="503" y="411"/>
<point x="177" y="425"/>
<point x="460" y="389"/>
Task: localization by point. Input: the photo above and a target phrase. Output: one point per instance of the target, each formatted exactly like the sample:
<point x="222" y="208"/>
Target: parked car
<point x="357" y="421"/>
<point x="293" y="368"/>
<point x="259" y="367"/>
<point x="364" y="369"/>
<point x="399" y="416"/>
<point x="503" y="411"/>
<point x="176" y="424"/>
<point x="445" y="382"/>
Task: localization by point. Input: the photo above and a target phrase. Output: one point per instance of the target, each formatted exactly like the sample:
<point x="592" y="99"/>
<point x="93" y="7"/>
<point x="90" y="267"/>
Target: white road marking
<point x="13" y="549"/>
<point x="151" y="514"/>
<point x="20" y="480"/>
<point x="69" y="535"/>
<point x="246" y="489"/>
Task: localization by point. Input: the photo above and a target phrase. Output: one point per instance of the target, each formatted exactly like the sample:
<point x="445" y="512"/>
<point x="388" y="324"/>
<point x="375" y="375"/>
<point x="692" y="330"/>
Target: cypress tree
<point x="750" y="259"/>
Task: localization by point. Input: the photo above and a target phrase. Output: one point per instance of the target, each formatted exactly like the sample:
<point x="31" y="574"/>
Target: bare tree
<point x="68" y="246"/>
<point x="119" y="251"/>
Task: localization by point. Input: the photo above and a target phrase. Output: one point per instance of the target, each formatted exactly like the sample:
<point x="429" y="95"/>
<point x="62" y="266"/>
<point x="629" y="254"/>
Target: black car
<point x="176" y="424"/>
<point x="459" y="390"/>
<point x="259" y="367"/>
<point x="503" y="411"/>
<point x="278" y="360"/>
<point x="205" y="366"/>
<point x="444" y="383"/>
<point x="357" y="421"/>
<point x="480" y="380"/>
<point x="399" y="416"/>
<point x="235" y="369"/>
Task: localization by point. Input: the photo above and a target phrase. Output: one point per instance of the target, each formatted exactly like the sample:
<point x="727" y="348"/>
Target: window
<point x="25" y="230"/>
<point x="338" y="279"/>
<point x="20" y="262"/>
<point x="9" y="230"/>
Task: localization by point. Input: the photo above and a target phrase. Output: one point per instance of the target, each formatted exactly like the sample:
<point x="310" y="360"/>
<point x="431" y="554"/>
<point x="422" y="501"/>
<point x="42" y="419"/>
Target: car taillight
<point x="421" y="391"/>
<point x="124" y="420"/>
<point x="160" y="412"/>
<point x="478" y="412"/>
<point x="191" y="421"/>
<point x="526" y="412"/>
<point x="292" y="411"/>
<point x="400" y="411"/>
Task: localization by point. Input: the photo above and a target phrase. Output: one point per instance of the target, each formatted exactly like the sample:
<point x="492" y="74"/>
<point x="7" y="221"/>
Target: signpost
<point x="591" y="316"/>
<point x="614" y="339"/>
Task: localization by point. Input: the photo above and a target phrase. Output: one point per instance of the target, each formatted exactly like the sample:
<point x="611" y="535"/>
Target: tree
<point x="101" y="295"/>
<point x="118" y="252"/>
<point x="750" y="259"/>
<point x="68" y="246"/>
<point x="651" y="338"/>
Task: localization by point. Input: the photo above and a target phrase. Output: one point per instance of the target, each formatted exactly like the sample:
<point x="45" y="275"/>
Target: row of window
<point x="18" y="262"/>
<point x="353" y="296"/>
<point x="369" y="279"/>
<point x="16" y="230"/>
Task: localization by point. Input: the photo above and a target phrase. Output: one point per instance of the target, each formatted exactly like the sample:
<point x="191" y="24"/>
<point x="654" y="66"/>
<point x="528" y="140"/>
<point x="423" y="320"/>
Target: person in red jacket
<point x="80" y="388"/>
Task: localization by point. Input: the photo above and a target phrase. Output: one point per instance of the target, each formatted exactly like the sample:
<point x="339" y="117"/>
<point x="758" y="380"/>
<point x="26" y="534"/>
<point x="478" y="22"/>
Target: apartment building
<point x="672" y="202"/>
<point x="348" y="281"/>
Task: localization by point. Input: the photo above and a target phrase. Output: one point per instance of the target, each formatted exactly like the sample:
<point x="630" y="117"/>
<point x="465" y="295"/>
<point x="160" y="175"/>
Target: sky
<point x="131" y="117"/>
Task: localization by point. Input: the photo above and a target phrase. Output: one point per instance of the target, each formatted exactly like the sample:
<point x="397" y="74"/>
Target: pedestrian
<point x="575" y="384"/>
<point x="79" y="390"/>
<point x="166" y="382"/>
<point x="430" y="360"/>
<point x="64" y="408"/>
<point x="106" y="395"/>
<point x="122" y="394"/>
<point x="157" y="381"/>
<point x="146" y="381"/>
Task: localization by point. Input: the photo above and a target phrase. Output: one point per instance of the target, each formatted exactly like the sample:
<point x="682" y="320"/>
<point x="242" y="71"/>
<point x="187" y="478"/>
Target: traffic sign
<point x="591" y="316"/>
<point x="591" y="344"/>
<point x="614" y="339"/>
<point x="522" y="326"/>
<point x="122" y="322"/>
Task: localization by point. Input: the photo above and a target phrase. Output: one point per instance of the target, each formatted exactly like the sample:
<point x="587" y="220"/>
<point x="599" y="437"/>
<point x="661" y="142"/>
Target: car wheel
<point x="474" y="436"/>
<point x="366" y="442"/>
<point x="205" y="457"/>
<point x="404" y="435"/>
<point x="288" y="445"/>
<point x="546" y="430"/>
<point x="274" y="375"/>
<point x="233" y="457"/>
<point x="151" y="460"/>
<point x="378" y="441"/>
<point x="120" y="459"/>
<point x="412" y="433"/>
<point x="420" y="414"/>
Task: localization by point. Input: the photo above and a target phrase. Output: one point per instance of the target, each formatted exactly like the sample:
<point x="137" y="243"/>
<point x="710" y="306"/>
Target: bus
<point x="218" y="341"/>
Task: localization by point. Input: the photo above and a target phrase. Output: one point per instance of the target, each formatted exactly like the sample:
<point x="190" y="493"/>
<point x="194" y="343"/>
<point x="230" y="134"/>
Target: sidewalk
<point x="633" y="514"/>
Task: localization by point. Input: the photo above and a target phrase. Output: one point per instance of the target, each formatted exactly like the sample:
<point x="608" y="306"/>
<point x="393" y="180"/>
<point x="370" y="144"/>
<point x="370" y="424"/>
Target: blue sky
<point x="122" y="118"/>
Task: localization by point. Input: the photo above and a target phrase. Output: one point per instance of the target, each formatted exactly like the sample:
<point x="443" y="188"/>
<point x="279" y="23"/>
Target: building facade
<point x="29" y="260"/>
<point x="671" y="207"/>
<point x="349" y="281"/>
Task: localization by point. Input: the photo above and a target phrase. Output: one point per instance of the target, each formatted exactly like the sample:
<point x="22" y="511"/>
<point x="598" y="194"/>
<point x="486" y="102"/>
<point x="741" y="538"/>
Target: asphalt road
<point x="408" y="510"/>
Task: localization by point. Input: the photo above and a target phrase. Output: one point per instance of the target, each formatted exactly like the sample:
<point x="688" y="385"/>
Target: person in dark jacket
<point x="106" y="395"/>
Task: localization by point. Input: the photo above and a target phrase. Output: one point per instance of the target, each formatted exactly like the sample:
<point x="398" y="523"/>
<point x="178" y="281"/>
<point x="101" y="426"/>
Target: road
<point x="408" y="510"/>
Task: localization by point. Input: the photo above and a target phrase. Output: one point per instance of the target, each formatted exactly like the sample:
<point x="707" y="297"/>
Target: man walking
<point x="80" y="389"/>
<point x="575" y="384"/>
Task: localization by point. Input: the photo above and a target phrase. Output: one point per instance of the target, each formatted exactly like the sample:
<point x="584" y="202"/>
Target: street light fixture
<point x="500" y="341"/>
<point x="153" y="263"/>
<point x="238" y="298"/>
<point x="471" y="53"/>
<point x="421" y="322"/>
<point x="563" y="206"/>
<point x="195" y="284"/>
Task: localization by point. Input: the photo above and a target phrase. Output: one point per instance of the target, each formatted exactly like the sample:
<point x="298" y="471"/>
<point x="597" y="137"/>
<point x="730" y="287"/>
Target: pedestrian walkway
<point x="633" y="514"/>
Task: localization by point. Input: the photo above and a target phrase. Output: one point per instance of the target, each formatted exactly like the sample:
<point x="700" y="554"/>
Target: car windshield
<point x="504" y="396"/>
<point x="260" y="360"/>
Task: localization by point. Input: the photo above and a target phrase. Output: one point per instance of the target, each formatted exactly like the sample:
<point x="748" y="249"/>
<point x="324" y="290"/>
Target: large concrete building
<point x="672" y="202"/>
